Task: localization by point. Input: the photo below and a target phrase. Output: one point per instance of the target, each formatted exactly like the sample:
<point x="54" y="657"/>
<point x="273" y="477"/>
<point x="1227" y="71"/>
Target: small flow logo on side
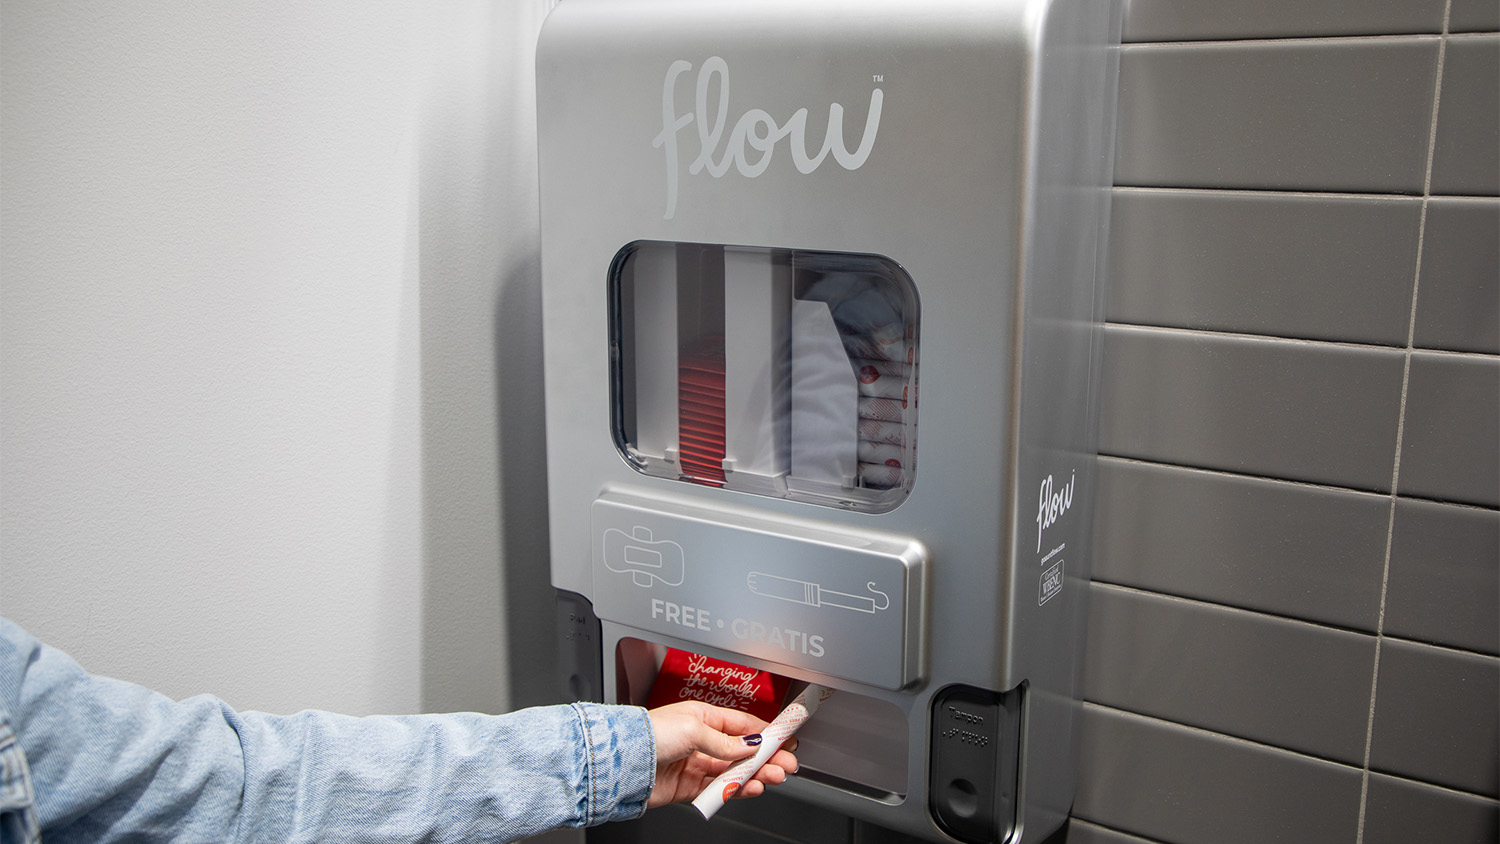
<point x="755" y="129"/>
<point x="1052" y="505"/>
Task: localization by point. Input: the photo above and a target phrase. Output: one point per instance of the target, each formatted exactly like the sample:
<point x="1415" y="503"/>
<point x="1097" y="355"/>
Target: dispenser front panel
<point x="743" y="205"/>
<point x="839" y="603"/>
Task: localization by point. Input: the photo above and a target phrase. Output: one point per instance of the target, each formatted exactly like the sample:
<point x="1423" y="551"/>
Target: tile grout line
<point x="1234" y="334"/>
<point x="1257" y="744"/>
<point x="1320" y="486"/>
<point x="1244" y="40"/>
<point x="1108" y="828"/>
<point x="1207" y="603"/>
<point x="1288" y="193"/>
<point x="1230" y="608"/>
<point x="1411" y="331"/>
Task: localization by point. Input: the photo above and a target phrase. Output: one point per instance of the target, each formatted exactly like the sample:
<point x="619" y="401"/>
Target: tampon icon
<point x="814" y="595"/>
<point x="796" y="713"/>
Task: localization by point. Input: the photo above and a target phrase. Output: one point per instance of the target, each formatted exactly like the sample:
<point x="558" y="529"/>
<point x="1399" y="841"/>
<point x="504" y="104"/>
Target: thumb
<point x="723" y="746"/>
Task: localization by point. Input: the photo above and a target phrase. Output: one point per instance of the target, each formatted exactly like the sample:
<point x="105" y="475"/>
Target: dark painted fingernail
<point x="753" y="741"/>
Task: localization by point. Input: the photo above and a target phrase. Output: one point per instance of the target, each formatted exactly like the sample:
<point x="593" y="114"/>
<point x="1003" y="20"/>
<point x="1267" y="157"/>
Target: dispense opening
<point x="855" y="743"/>
<point x="780" y="372"/>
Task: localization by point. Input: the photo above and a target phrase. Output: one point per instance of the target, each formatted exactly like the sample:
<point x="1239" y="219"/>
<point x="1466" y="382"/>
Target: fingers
<point x="753" y="788"/>
<point x="738" y="735"/>
<point x="778" y="768"/>
<point x="689" y="727"/>
<point x="712" y="730"/>
<point x="721" y="745"/>
<point x="774" y="772"/>
<point x="696" y="742"/>
<point x="732" y="721"/>
<point x="737" y="745"/>
<point x="781" y="759"/>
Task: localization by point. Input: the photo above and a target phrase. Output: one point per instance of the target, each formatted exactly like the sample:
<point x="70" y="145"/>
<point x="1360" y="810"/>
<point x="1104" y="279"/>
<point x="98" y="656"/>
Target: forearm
<point x="111" y="760"/>
<point x="441" y="778"/>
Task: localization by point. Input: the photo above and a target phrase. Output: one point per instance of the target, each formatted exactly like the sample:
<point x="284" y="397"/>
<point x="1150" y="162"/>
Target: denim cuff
<point x="18" y="817"/>
<point x="620" y="754"/>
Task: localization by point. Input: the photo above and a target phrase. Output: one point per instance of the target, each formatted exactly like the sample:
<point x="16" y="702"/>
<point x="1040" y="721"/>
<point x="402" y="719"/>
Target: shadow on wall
<point x="487" y="603"/>
<point x="529" y="607"/>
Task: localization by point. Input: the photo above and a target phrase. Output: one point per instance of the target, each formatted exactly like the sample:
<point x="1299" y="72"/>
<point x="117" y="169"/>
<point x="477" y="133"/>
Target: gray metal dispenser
<point x="822" y="299"/>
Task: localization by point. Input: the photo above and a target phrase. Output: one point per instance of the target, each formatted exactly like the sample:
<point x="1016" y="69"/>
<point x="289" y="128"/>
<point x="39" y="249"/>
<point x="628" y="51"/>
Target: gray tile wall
<point x="1294" y="630"/>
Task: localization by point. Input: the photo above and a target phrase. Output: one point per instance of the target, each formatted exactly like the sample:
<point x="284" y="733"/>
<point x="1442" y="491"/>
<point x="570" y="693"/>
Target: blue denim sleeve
<point x="112" y="761"/>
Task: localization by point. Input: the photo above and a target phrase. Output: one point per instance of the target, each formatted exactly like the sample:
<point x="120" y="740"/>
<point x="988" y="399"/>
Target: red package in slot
<point x="700" y="411"/>
<point x="690" y="676"/>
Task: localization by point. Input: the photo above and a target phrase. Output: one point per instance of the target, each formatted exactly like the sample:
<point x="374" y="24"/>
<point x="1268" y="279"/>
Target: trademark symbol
<point x="879" y="77"/>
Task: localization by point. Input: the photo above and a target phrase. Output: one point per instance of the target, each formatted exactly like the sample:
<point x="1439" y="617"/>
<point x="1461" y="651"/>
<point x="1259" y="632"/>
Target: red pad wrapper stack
<point x="700" y="411"/>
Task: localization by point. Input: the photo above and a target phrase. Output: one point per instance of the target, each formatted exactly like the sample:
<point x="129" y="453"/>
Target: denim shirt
<point x="91" y="759"/>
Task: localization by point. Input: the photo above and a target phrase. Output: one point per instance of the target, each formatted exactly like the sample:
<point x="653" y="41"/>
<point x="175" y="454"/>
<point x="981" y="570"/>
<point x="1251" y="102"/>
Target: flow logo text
<point x="753" y="138"/>
<point x="1052" y="505"/>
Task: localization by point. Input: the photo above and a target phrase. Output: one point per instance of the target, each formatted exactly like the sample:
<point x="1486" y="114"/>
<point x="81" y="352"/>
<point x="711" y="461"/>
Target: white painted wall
<point x="222" y="226"/>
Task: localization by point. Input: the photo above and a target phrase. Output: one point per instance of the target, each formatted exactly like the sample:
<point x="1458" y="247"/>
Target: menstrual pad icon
<point x="643" y="558"/>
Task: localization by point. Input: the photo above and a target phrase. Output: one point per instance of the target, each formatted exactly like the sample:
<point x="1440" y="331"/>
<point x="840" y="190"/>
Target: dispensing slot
<point x="855" y="743"/>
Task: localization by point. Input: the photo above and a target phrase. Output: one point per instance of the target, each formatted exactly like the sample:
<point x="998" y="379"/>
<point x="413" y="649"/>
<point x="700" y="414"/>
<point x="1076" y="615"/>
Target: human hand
<point x="696" y="741"/>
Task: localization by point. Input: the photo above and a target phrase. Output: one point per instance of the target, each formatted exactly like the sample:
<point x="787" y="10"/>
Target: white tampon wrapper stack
<point x="782" y="728"/>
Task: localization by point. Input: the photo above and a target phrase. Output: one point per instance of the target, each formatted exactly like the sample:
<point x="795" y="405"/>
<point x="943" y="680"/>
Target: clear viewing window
<point x="780" y="372"/>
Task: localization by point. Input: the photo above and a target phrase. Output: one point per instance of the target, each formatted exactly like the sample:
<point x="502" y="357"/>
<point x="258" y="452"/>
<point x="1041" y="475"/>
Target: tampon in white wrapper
<point x="782" y="728"/>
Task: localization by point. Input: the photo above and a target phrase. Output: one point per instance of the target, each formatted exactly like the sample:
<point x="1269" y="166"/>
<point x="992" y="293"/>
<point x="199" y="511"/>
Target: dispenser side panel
<point x="1064" y="292"/>
<point x="1061" y="296"/>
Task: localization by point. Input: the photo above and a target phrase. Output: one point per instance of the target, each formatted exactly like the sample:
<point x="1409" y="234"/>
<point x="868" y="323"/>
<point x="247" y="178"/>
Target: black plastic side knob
<point x="975" y="758"/>
<point x="580" y="662"/>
